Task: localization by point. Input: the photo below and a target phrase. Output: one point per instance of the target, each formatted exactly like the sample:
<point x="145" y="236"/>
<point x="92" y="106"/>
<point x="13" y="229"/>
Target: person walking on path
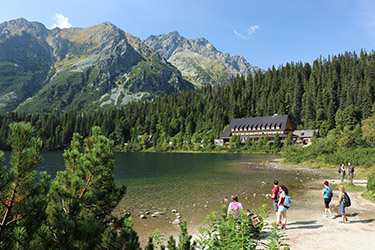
<point x="351" y="172"/>
<point x="234" y="207"/>
<point x="342" y="172"/>
<point x="281" y="213"/>
<point x="275" y="196"/>
<point x="340" y="203"/>
<point x="327" y="195"/>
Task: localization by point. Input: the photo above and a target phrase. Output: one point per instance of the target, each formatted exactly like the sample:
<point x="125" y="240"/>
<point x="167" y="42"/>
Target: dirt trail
<point x="308" y="229"/>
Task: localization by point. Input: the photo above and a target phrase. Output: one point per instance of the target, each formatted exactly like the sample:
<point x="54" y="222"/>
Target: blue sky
<point x="265" y="32"/>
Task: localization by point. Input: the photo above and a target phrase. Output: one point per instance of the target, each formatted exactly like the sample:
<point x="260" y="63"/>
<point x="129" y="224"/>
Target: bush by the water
<point x="229" y="233"/>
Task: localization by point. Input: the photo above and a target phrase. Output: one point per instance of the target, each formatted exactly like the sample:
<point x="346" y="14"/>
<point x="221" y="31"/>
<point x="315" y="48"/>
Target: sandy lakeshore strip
<point x="307" y="228"/>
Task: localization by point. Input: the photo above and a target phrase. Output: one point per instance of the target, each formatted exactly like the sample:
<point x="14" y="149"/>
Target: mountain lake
<point x="193" y="184"/>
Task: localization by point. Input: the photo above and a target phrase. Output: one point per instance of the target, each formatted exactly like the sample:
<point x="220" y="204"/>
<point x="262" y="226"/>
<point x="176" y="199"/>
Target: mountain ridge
<point x="205" y="63"/>
<point x="78" y="68"/>
<point x="102" y="66"/>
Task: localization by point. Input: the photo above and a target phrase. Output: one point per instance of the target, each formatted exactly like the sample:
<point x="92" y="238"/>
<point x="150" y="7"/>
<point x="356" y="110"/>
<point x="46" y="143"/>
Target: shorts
<point x="342" y="208"/>
<point x="282" y="208"/>
<point x="275" y="206"/>
<point x="326" y="202"/>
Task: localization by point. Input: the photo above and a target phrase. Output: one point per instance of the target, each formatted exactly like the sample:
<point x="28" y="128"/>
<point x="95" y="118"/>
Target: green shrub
<point x="371" y="182"/>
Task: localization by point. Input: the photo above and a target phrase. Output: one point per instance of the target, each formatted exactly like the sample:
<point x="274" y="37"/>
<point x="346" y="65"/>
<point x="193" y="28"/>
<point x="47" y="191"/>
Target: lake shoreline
<point x="302" y="230"/>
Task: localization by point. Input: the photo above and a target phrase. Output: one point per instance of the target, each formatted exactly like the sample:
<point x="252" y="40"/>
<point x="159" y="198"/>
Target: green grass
<point x="349" y="187"/>
<point x="369" y="195"/>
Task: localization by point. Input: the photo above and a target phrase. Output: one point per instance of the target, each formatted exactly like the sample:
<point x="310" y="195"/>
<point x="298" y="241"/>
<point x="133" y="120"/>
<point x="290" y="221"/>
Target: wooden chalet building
<point x="303" y="137"/>
<point x="258" y="128"/>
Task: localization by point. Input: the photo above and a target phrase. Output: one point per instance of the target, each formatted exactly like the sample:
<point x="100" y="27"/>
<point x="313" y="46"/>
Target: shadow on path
<point x="362" y="221"/>
<point x="303" y="225"/>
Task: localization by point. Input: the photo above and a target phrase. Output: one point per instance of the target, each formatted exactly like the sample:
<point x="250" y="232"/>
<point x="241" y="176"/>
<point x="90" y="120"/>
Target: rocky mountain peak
<point x="78" y="68"/>
<point x="198" y="59"/>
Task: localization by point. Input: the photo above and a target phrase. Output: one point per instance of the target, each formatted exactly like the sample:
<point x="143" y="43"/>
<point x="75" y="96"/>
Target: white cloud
<point x="61" y="22"/>
<point x="250" y="32"/>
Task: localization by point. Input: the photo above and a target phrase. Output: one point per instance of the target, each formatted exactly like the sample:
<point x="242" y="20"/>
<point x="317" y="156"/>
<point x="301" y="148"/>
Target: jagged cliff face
<point x="198" y="60"/>
<point x="78" y="69"/>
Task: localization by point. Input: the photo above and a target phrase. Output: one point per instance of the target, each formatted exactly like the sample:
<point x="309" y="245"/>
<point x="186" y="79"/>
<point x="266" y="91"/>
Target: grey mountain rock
<point x="198" y="60"/>
<point x="78" y="68"/>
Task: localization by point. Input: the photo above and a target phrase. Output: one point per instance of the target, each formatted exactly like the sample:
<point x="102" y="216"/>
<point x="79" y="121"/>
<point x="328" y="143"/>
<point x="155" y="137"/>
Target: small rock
<point x="166" y="218"/>
<point x="179" y="217"/>
<point x="142" y="216"/>
<point x="178" y="214"/>
<point x="254" y="194"/>
<point x="194" y="205"/>
<point x="147" y="212"/>
<point x="176" y="222"/>
<point x="159" y="213"/>
<point x="154" y="215"/>
<point x="207" y="202"/>
<point x="205" y="206"/>
<point x="174" y="211"/>
<point x="225" y="200"/>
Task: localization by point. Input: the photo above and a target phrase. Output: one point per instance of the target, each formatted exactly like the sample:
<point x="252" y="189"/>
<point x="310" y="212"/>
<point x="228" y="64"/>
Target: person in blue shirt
<point x="327" y="195"/>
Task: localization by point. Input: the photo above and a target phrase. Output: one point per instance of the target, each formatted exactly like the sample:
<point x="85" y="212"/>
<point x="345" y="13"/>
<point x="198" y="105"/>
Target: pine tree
<point x="84" y="196"/>
<point x="23" y="199"/>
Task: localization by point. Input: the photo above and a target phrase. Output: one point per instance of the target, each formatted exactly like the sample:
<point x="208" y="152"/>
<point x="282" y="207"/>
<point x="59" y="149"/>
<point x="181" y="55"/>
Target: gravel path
<point x="308" y="229"/>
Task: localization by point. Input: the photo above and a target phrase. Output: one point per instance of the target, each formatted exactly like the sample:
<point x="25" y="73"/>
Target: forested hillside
<point x="333" y="92"/>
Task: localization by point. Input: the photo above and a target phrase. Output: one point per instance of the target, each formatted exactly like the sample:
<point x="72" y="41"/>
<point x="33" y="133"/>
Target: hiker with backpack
<point x="343" y="202"/>
<point x="283" y="205"/>
<point x="234" y="208"/>
<point x="327" y="195"/>
<point x="275" y="196"/>
<point x="255" y="224"/>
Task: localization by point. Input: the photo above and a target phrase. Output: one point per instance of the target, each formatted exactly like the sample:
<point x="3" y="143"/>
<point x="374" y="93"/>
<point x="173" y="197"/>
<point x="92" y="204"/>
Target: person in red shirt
<point x="275" y="195"/>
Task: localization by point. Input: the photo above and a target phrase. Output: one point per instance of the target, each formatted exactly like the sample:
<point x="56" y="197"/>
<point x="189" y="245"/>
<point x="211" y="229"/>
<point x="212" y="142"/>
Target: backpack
<point x="287" y="201"/>
<point x="339" y="170"/>
<point x="278" y="193"/>
<point x="234" y="209"/>
<point x="255" y="220"/>
<point x="330" y="193"/>
<point x="347" y="202"/>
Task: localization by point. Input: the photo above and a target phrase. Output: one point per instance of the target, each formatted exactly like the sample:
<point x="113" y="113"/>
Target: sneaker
<point x="284" y="226"/>
<point x="346" y="220"/>
<point x="324" y="215"/>
<point x="332" y="217"/>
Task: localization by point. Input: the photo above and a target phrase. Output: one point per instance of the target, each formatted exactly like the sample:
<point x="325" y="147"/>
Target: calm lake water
<point x="193" y="184"/>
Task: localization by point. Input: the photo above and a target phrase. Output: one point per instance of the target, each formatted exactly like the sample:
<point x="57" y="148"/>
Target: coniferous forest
<point x="332" y="93"/>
